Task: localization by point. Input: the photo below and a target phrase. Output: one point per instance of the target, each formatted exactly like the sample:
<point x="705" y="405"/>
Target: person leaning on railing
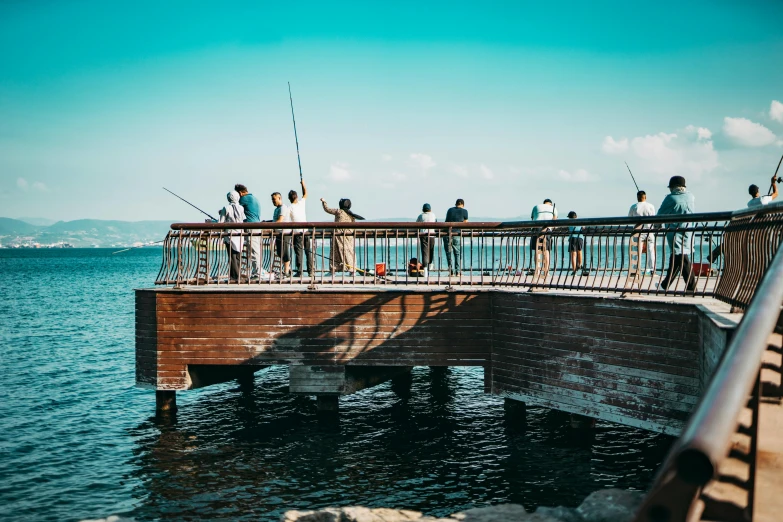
<point x="233" y="213"/>
<point x="546" y="211"/>
<point x="252" y="209"/>
<point x="679" y="201"/>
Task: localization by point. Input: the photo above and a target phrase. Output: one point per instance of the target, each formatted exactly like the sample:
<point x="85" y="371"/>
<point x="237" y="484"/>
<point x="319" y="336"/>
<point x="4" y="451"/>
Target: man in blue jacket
<point x="679" y="201"/>
<point x="252" y="215"/>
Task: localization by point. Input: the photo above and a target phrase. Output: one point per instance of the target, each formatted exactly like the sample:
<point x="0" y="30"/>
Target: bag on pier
<point x="415" y="269"/>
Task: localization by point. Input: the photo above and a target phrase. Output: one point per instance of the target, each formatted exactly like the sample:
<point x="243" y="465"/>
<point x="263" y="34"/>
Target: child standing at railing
<point x="576" y="244"/>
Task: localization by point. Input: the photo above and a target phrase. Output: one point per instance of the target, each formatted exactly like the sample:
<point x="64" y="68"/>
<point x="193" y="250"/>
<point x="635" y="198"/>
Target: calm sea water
<point x="78" y="440"/>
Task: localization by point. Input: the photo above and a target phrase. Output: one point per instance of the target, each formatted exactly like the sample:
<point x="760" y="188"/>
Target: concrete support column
<point x="582" y="422"/>
<point x="165" y="401"/>
<point x="516" y="412"/>
<point x="246" y="381"/>
<point x="328" y="403"/>
<point x="401" y="383"/>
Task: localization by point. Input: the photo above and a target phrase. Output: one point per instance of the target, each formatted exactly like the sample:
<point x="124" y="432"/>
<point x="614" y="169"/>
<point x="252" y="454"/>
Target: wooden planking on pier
<point x="383" y="329"/>
<point x="634" y="361"/>
<point x="631" y="362"/>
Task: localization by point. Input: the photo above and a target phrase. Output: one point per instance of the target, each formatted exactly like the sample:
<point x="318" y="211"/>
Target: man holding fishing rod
<point x="302" y="243"/>
<point x="759" y="200"/>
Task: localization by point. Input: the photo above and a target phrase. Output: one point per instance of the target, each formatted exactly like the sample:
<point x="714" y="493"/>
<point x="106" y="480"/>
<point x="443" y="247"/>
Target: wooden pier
<point x="640" y="362"/>
<point x="701" y="361"/>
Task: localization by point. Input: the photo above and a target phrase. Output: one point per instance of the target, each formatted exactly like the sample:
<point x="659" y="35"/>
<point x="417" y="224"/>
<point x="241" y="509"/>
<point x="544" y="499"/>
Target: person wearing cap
<point x="342" y="255"/>
<point x="642" y="208"/>
<point x="759" y="200"/>
<point x="679" y="201"/>
<point x="426" y="237"/>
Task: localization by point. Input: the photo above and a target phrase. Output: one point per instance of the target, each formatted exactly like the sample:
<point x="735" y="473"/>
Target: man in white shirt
<point x="640" y="209"/>
<point x="302" y="243"/>
<point x="759" y="200"/>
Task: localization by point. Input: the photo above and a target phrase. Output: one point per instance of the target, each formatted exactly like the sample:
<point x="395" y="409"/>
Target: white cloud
<point x="386" y="157"/>
<point x="40" y="186"/>
<point x="747" y="133"/>
<point x="422" y="161"/>
<point x="667" y="154"/>
<point x="486" y="172"/>
<point x="577" y="176"/>
<point x="460" y="170"/>
<point x="776" y="111"/>
<point x="612" y="146"/>
<point x="701" y="133"/>
<point x="339" y="172"/>
<point x="21" y="183"/>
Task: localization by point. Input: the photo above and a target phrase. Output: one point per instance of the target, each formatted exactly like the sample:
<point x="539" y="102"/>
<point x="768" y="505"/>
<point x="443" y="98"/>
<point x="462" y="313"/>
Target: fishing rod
<point x="189" y="203"/>
<point x="631" y="173"/>
<point x="298" y="159"/>
<point x="779" y="180"/>
<point x="140" y="246"/>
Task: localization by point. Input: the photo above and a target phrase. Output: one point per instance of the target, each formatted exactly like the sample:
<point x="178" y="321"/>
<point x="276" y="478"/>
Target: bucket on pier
<point x="702" y="269"/>
<point x="380" y="269"/>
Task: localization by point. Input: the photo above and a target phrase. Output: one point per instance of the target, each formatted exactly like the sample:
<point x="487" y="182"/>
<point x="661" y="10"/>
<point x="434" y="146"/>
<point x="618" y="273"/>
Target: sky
<point x="397" y="104"/>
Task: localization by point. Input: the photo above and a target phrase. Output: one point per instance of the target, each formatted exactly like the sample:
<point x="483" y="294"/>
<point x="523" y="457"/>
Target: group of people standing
<point x="678" y="201"/>
<point x="451" y="243"/>
<point x="244" y="207"/>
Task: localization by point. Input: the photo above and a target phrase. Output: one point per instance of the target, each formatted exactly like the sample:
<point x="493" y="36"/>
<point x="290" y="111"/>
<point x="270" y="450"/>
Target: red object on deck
<point x="380" y="269"/>
<point x="702" y="269"/>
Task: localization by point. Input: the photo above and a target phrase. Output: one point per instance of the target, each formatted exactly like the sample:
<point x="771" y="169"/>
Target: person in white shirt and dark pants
<point x="639" y="209"/>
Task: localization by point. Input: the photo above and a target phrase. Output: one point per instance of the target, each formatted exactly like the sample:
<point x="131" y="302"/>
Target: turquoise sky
<point x="502" y="104"/>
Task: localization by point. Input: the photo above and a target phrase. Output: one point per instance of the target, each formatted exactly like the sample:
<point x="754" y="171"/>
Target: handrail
<point x="483" y="225"/>
<point x="705" y="442"/>
<point x="706" y="438"/>
<point x="531" y="254"/>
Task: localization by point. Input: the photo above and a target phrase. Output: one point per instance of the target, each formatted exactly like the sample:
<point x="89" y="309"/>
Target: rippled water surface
<point x="79" y="441"/>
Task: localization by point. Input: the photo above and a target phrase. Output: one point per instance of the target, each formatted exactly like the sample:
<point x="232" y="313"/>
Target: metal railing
<point x="726" y="254"/>
<point x="609" y="254"/>
<point x="736" y="387"/>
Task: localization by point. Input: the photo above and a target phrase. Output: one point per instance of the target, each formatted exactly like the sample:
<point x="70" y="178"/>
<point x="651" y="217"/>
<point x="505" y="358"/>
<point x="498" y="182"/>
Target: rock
<point x="358" y="514"/>
<point x="111" y="518"/>
<point x="610" y="505"/>
<point x="501" y="513"/>
<point x="563" y="514"/>
<point x="324" y="515"/>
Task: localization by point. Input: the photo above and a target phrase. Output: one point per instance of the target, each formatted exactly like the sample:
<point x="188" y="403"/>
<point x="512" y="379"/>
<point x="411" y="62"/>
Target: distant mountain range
<point x="81" y="232"/>
<point x="103" y="233"/>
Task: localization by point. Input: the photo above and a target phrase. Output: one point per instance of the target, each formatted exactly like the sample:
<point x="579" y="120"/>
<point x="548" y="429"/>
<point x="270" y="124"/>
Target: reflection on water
<point x="440" y="448"/>
<point x="79" y="440"/>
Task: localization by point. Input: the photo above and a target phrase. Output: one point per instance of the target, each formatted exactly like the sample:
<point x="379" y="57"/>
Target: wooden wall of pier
<point x="184" y="328"/>
<point x="629" y="361"/>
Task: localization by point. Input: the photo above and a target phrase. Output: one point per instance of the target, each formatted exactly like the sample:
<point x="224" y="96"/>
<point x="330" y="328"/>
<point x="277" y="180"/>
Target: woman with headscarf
<point x="343" y="257"/>
<point x="233" y="213"/>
